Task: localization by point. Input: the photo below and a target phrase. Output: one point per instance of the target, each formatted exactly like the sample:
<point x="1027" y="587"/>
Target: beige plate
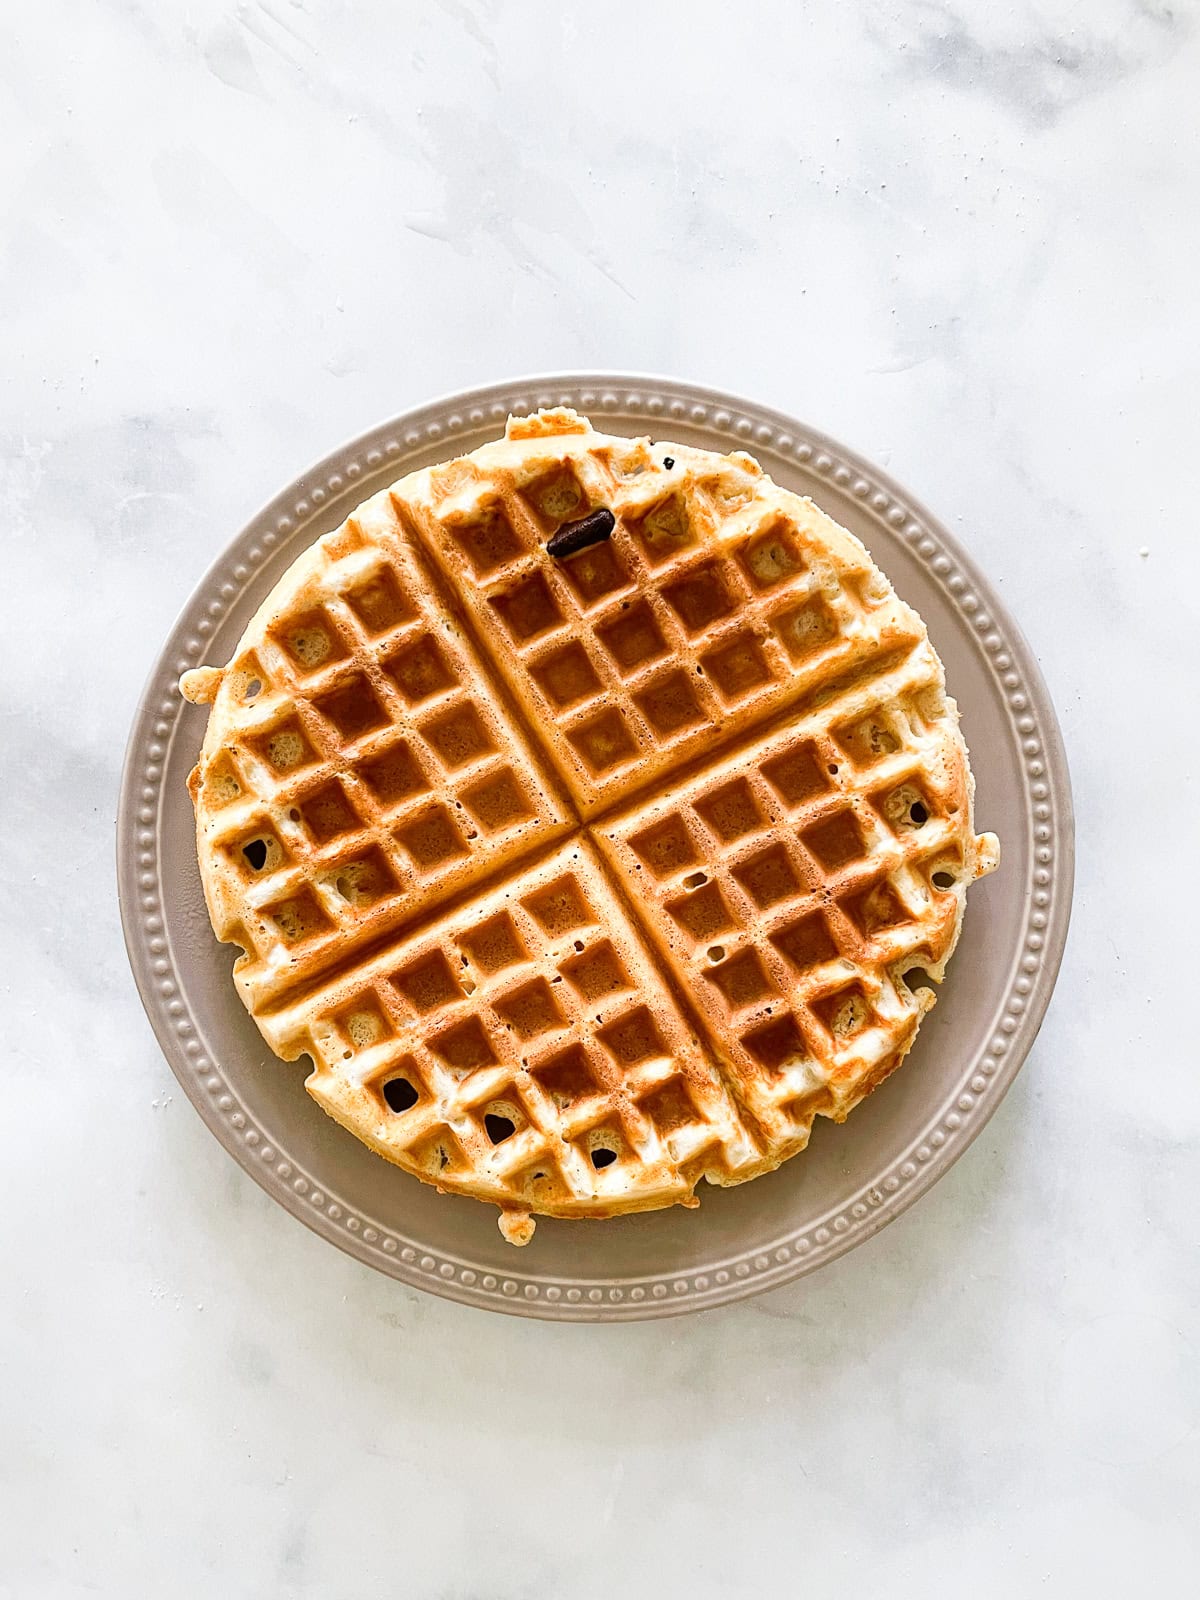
<point x="852" y="1179"/>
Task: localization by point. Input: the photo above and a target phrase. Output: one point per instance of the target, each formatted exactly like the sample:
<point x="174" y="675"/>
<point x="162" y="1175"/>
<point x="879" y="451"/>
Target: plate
<point x="852" y="1179"/>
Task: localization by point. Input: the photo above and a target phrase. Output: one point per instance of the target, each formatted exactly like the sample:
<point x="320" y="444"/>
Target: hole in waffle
<point x="464" y="1048"/>
<point x="498" y="802"/>
<point x="594" y="572"/>
<point x="632" y="1038"/>
<point x="527" y="609"/>
<point x="868" y="740"/>
<point x="772" y="556"/>
<point x="845" y="1012"/>
<point x="835" y="841"/>
<point x="429" y="983"/>
<point x="543" y="1184"/>
<point x="352" y="708"/>
<point x="737" y="668"/>
<point x="327" y="812"/>
<point x="530" y="1010"/>
<point x="776" y="1045"/>
<point x="284" y="747"/>
<point x="363" y="1025"/>
<point x="716" y="952"/>
<point x="495" y="944"/>
<point x="498" y="1127"/>
<point x="556" y="496"/>
<point x="246" y="680"/>
<point x="703" y="914"/>
<point x="459" y="736"/>
<point x="665" y="847"/>
<point x="363" y="881"/>
<point x="437" y="1154"/>
<point x="394" y="776"/>
<point x="559" y="908"/>
<point x="731" y="811"/>
<point x="432" y="839"/>
<point x="670" y="1107"/>
<point x="378" y="602"/>
<point x="917" y="978"/>
<point x="400" y="1095"/>
<point x="806" y="942"/>
<point x="263" y="850"/>
<point x="700" y="598"/>
<point x="634" y="638"/>
<point x="420" y="670"/>
<point x="488" y="541"/>
<point x="604" y="742"/>
<point x="299" y="918"/>
<point x="669" y="705"/>
<point x="796" y="775"/>
<point x="944" y="880"/>
<point x="567" y="1077"/>
<point x="695" y="879"/>
<point x="664" y="530"/>
<point x="742" y="980"/>
<point x="596" y="973"/>
<point x="803" y="629"/>
<point x="875" y="908"/>
<point x="310" y="640"/>
<point x="768" y="877"/>
<point x="566" y="676"/>
<point x="603" y="1145"/>
<point x="903" y="809"/>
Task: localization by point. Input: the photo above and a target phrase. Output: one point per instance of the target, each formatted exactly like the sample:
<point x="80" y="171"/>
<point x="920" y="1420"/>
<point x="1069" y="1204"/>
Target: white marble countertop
<point x="964" y="239"/>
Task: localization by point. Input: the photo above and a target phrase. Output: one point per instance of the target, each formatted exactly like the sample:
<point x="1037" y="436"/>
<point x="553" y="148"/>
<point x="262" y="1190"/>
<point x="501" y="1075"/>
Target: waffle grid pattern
<point x="528" y="1042"/>
<point x="700" y="573"/>
<point x="381" y="774"/>
<point x="709" y="607"/>
<point x="791" y="883"/>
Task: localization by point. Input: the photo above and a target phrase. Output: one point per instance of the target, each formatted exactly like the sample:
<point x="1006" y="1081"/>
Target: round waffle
<point x="580" y="807"/>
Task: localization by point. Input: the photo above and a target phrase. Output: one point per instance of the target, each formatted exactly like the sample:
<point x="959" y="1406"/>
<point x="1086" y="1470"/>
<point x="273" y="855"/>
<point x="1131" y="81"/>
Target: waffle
<point x="579" y="807"/>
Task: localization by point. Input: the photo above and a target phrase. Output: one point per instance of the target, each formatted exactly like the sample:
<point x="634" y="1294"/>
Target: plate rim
<point x="745" y="423"/>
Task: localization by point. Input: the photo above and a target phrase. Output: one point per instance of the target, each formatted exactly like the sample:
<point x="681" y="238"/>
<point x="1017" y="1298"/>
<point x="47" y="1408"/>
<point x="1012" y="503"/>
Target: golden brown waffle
<point x="533" y="1049"/>
<point x="582" y="877"/>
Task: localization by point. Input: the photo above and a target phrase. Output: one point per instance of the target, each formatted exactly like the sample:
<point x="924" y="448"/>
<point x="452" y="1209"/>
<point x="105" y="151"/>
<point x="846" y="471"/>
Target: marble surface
<point x="961" y="238"/>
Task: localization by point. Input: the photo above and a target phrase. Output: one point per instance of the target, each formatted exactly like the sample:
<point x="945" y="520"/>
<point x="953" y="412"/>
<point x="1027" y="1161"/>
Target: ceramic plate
<point x="852" y="1179"/>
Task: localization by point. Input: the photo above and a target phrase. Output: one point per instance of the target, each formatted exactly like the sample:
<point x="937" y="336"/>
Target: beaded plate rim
<point x="620" y="398"/>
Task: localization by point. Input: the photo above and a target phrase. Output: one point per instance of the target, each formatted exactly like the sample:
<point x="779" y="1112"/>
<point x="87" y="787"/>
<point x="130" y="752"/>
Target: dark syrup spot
<point x="575" y="536"/>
